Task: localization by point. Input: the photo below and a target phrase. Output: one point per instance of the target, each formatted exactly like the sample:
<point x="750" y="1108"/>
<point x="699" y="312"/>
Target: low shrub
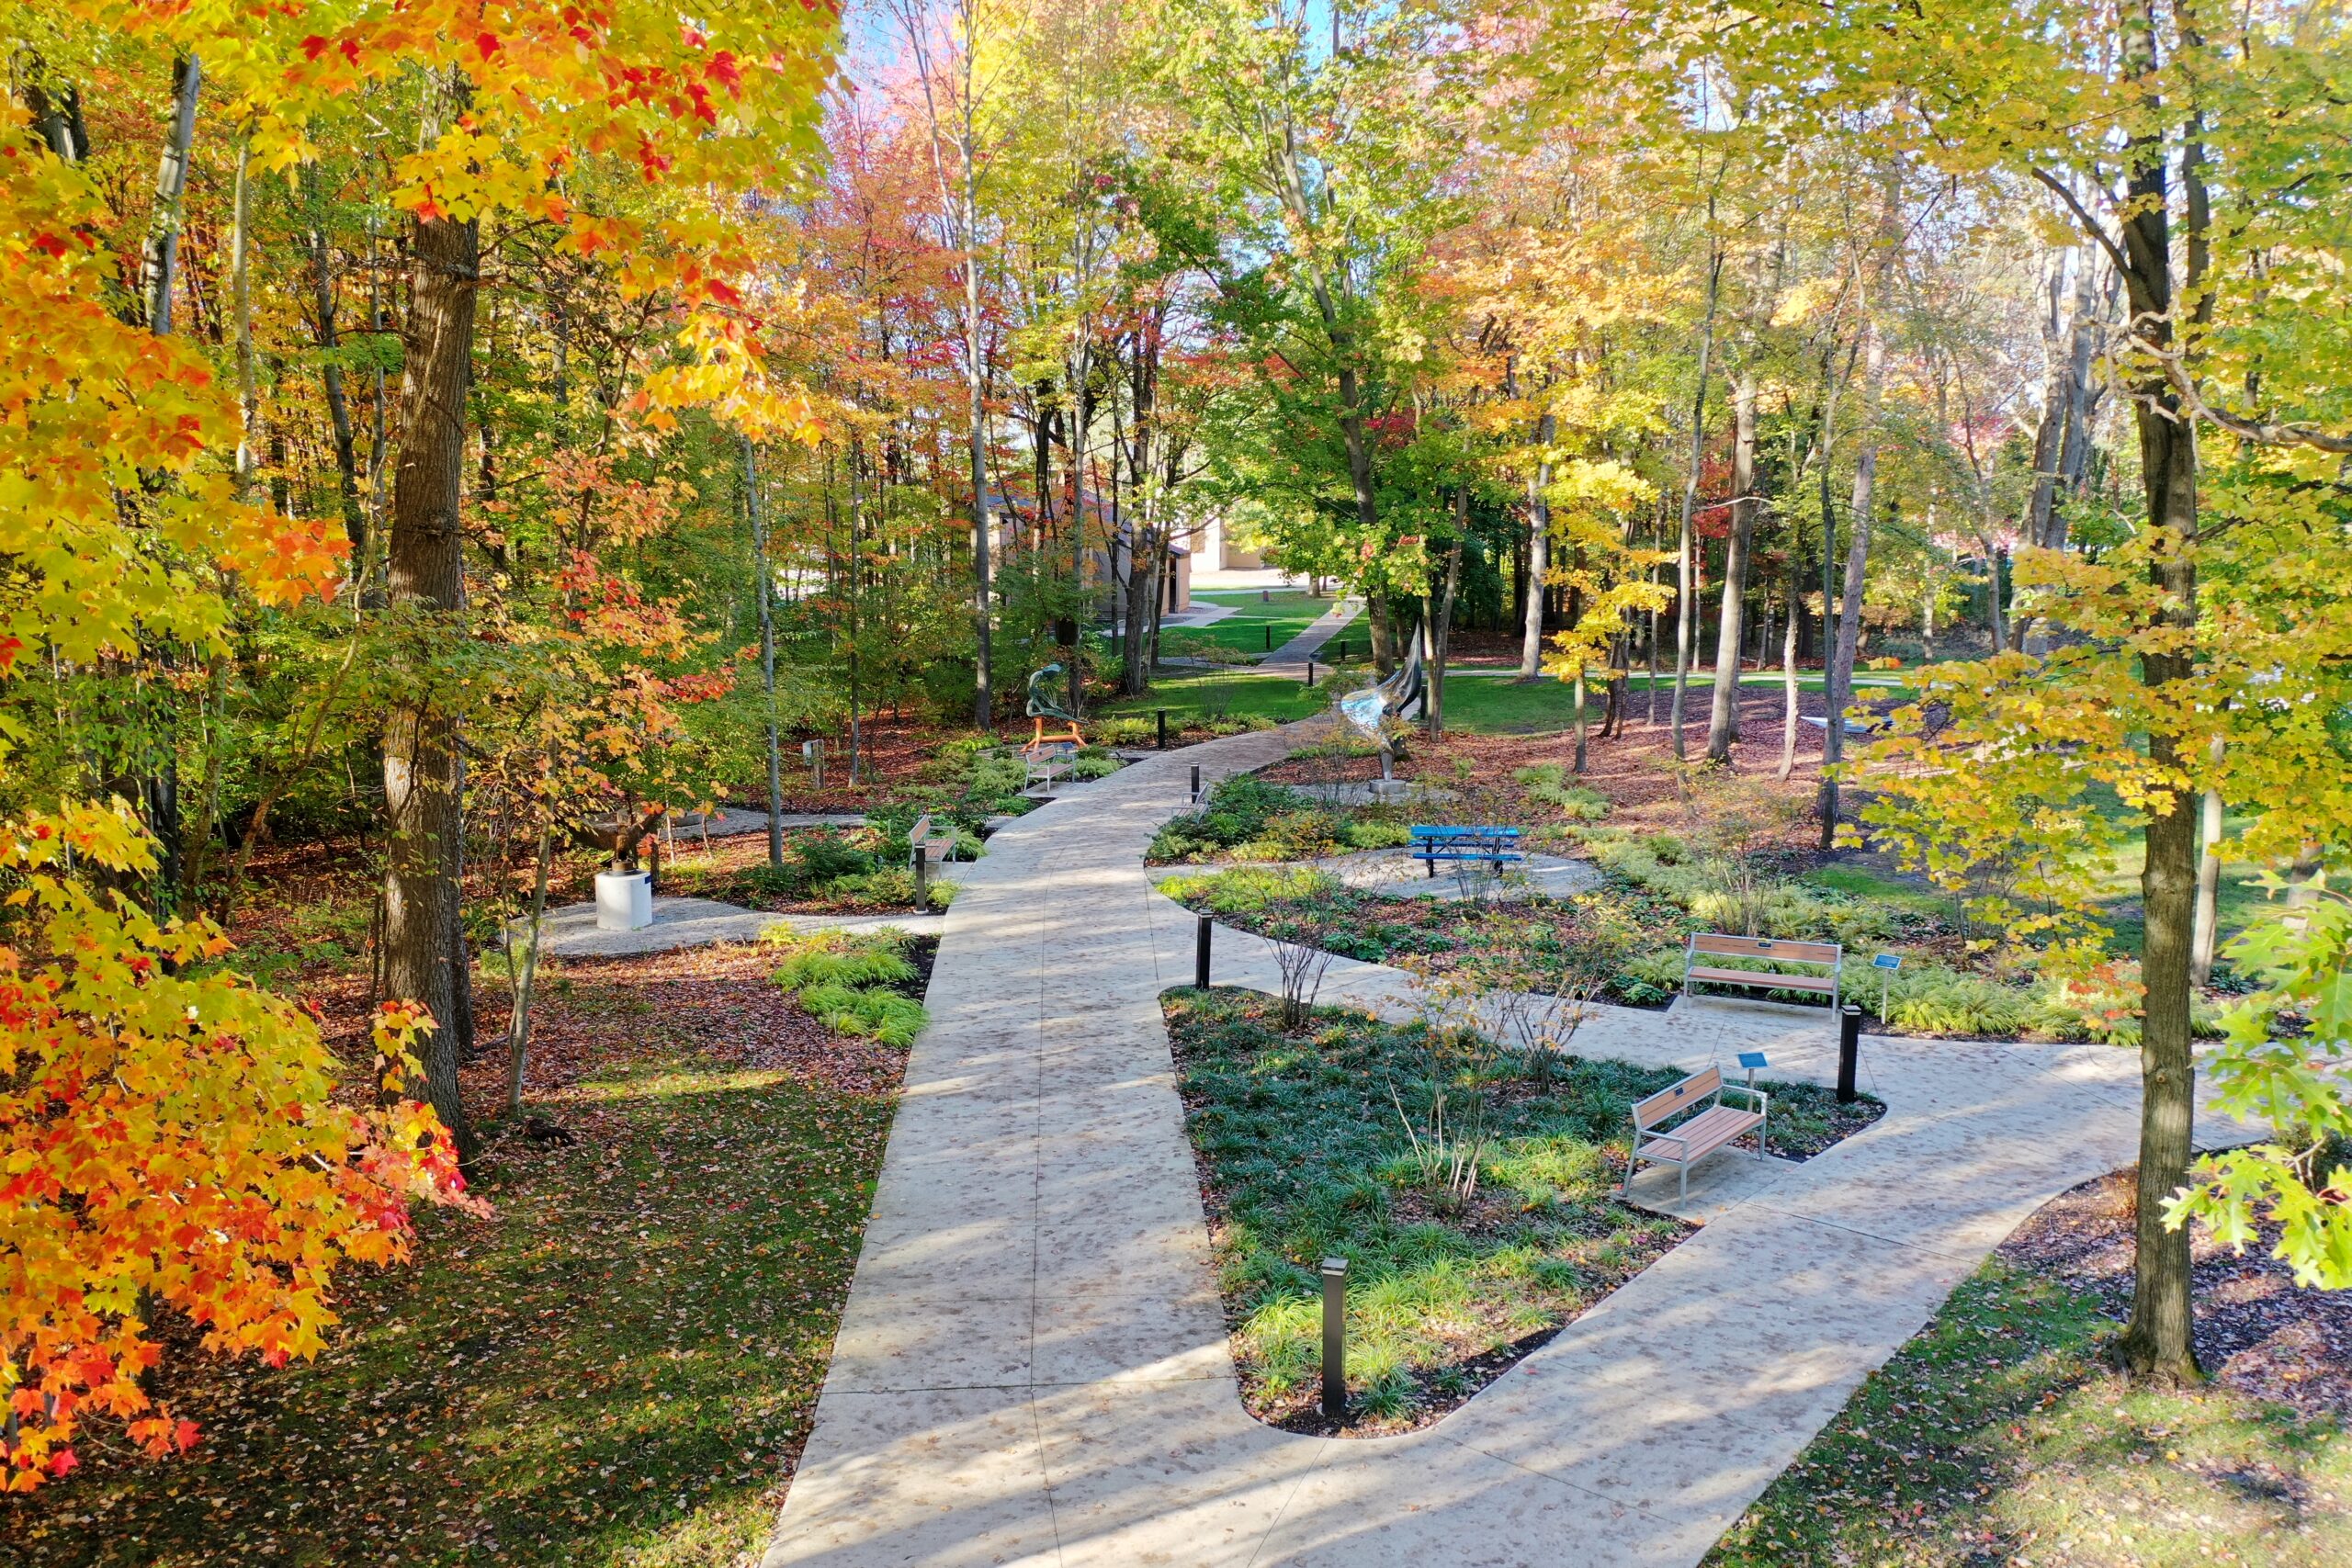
<point x="852" y="984"/>
<point x="1250" y="890"/>
<point x="1547" y="783"/>
<point x="1087" y="768"/>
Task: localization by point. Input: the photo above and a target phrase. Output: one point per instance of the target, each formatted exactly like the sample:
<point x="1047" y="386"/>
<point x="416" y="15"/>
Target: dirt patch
<point x="2258" y="1331"/>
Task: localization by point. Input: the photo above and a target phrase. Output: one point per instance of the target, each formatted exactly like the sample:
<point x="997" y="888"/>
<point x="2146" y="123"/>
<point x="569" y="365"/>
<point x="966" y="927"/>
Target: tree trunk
<point x="158" y="258"/>
<point x="1539" y="551"/>
<point x="1723" y="720"/>
<point x="423" y="777"/>
<point x="763" y="588"/>
<point x="1685" y="605"/>
<point x="2159" y="1341"/>
<point x="347" y="446"/>
<point x="1789" y="667"/>
<point x="1438" y="617"/>
<point x="518" y="1021"/>
<point x="1838" y="678"/>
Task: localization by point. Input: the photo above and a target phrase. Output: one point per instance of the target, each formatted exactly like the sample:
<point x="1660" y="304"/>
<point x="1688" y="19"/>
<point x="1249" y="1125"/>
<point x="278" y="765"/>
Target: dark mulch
<point x="2258" y="1331"/>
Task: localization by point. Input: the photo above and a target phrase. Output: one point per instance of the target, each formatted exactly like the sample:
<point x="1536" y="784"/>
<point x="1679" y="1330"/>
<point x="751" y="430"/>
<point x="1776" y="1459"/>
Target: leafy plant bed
<point x="619" y="1366"/>
<point x="1303" y="1150"/>
<point x="1246" y="818"/>
<point x="2003" y="1434"/>
<point x="825" y="870"/>
<point x="1539" y="945"/>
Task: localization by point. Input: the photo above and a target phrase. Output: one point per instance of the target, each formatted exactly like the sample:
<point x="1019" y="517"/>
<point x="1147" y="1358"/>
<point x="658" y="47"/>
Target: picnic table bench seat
<point x="1497" y="846"/>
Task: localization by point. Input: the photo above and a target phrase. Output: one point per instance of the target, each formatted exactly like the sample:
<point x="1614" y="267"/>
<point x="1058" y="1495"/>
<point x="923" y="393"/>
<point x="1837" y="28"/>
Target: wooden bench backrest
<point x="1676" y="1096"/>
<point x="1765" y="947"/>
<point x="923" y="838"/>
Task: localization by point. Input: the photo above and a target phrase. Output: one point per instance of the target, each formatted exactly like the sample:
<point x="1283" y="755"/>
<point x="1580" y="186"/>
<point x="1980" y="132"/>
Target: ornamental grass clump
<point x="853" y="984"/>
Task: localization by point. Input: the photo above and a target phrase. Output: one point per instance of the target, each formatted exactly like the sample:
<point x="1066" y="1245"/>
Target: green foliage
<point x="853" y="984"/>
<point x="1546" y="783"/>
<point x="1248" y="819"/>
<point x="2283" y="1067"/>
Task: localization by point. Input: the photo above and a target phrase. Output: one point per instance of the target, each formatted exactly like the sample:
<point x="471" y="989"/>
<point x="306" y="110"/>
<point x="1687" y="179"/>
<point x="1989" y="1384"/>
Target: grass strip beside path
<point x="2002" y="1434"/>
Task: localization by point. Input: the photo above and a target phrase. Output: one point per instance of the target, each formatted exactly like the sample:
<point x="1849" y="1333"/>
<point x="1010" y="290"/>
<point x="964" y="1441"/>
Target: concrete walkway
<point x="1033" y="1367"/>
<point x="569" y="931"/>
<point x="1289" y="661"/>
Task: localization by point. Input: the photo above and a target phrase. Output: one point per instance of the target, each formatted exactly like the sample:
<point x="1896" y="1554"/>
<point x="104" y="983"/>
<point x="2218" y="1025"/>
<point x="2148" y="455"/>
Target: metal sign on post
<point x="1886" y="963"/>
<point x="813" y="753"/>
<point x="1752" y="1060"/>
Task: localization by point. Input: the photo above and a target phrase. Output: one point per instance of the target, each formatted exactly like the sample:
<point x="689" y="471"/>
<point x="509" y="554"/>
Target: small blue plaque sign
<point x="1887" y="961"/>
<point x="1752" y="1060"/>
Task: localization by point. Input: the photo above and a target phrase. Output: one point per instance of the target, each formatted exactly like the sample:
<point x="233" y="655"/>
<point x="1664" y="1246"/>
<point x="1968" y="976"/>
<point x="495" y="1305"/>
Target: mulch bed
<point x="2258" y="1331"/>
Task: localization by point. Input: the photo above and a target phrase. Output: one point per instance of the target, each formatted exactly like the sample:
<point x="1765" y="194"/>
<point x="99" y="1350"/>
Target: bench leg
<point x="1686" y="1178"/>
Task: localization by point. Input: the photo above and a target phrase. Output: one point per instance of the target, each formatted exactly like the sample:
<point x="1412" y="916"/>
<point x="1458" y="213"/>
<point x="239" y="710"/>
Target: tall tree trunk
<point x="2158" y="1342"/>
<point x="159" y="257"/>
<point x="347" y="446"/>
<point x="1685" y="592"/>
<point x="763" y="586"/>
<point x="1838" y="678"/>
<point x="1723" y="720"/>
<point x="1838" y="660"/>
<point x="518" y="1019"/>
<point x="1789" y="664"/>
<point x="423" y="777"/>
<point x="1539" y="550"/>
<point x="1437" y="616"/>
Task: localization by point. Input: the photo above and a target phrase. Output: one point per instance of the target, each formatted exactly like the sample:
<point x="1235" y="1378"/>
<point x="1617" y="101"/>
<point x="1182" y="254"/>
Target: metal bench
<point x="924" y="845"/>
<point x="1694" y="1140"/>
<point x="1823" y="955"/>
<point x="1496" y="846"/>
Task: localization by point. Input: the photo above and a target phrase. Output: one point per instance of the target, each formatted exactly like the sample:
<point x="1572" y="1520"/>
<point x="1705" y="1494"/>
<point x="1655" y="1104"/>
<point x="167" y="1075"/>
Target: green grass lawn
<point x="1489" y="704"/>
<point x="1193" y="697"/>
<point x="1253" y="624"/>
<point x="615" y="1369"/>
<point x="1306" y="1157"/>
<point x="2000" y="1434"/>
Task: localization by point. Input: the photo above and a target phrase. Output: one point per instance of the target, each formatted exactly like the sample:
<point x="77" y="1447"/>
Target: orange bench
<point x="1823" y="955"/>
<point x="1690" y="1142"/>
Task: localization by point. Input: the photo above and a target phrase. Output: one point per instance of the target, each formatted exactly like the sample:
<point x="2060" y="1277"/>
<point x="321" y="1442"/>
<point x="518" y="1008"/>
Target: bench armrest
<point x="1763" y="1101"/>
<point x="1644" y="1136"/>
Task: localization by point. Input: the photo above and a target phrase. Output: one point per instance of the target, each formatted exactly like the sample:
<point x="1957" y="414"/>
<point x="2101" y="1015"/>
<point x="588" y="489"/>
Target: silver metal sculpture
<point x="1396" y="697"/>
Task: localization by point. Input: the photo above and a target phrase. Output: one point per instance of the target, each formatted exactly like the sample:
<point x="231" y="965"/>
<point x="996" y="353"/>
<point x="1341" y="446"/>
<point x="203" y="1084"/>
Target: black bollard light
<point x="1335" y="1339"/>
<point x="1162" y="713"/>
<point x="921" y="864"/>
<point x="1849" y="1050"/>
<point x="1196" y="784"/>
<point x="1310" y="669"/>
<point x="1270" y="637"/>
<point x="1201" y="953"/>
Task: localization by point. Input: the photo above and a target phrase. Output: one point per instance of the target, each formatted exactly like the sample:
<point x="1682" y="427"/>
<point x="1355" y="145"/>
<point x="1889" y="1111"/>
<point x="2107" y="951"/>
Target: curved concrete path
<point x="1033" y="1367"/>
<point x="1290" y="660"/>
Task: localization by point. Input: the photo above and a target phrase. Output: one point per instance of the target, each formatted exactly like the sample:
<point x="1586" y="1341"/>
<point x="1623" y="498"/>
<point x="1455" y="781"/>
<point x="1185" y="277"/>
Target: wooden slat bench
<point x="1494" y="845"/>
<point x="1693" y="1141"/>
<point x="1820" y="955"/>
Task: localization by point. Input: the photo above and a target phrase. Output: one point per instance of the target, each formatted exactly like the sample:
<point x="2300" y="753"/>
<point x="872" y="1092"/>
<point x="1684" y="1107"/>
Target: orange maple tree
<point x="170" y="1135"/>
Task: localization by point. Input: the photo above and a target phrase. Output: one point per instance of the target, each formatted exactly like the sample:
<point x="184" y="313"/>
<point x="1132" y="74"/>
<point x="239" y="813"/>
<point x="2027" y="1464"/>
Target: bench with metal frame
<point x="1693" y="1141"/>
<point x="1824" y="955"/>
<point x="924" y="845"/>
<point x="1496" y="846"/>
